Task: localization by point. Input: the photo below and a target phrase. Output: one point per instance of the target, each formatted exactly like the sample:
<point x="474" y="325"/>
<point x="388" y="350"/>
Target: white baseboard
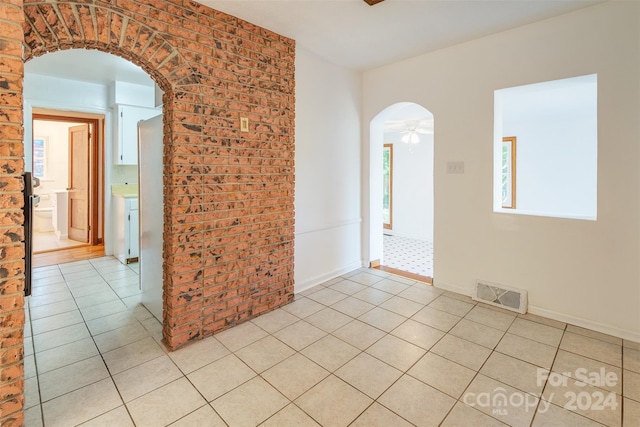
<point x="313" y="281"/>
<point x="585" y="323"/>
<point x="554" y="315"/>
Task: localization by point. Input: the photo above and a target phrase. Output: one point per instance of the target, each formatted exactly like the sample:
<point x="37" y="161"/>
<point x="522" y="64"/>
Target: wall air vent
<point x="501" y="296"/>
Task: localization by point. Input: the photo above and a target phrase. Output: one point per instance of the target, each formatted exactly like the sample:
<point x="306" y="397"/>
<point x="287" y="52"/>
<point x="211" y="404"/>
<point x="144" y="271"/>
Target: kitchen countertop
<point x="127" y="191"/>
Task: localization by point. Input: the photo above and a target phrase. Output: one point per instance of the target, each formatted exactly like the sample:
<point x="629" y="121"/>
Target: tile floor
<point x="365" y="349"/>
<point x="47" y="240"/>
<point x="412" y="255"/>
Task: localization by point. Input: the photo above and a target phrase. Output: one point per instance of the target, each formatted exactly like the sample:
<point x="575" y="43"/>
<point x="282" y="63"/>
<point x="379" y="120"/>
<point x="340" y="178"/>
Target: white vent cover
<point x="501" y="296"/>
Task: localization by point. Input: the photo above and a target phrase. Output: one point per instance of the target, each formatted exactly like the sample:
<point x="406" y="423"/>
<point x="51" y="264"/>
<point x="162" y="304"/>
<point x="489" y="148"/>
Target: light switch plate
<point x="455" y="167"/>
<point x="244" y="124"/>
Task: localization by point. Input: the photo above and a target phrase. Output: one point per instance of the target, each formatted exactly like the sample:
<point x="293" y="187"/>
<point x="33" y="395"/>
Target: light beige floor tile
<point x="83" y="289"/>
<point x="536" y="331"/>
<point x="603" y="407"/>
<point x="104" y="309"/>
<point x="120" y="337"/>
<point x="436" y="318"/>
<point x="593" y="334"/>
<point x="373" y="296"/>
<point x="365" y="278"/>
<point x="631" y="412"/>
<point x="451" y="305"/>
<point x="382" y="319"/>
<point x="328" y="319"/>
<point x="290" y="416"/>
<point x="390" y="285"/>
<point x="204" y="416"/>
<point x="509" y="405"/>
<point x="198" y="354"/>
<point x="116" y="417"/>
<point x="402" y="306"/>
<point x="549" y="415"/>
<point x="131" y="355"/>
<point x="368" y="374"/>
<point x="96" y="298"/>
<point x="348" y="287"/>
<point x="264" y="353"/>
<point x="37" y="300"/>
<point x="250" y="404"/>
<point x="29" y="367"/>
<point x="330" y="352"/>
<point x="295" y="375"/>
<point x="71" y="377"/>
<point x="56" y="322"/>
<point x="112" y="322"/>
<point x="311" y="290"/>
<point x="631" y="344"/>
<point x="478" y="333"/>
<point x="64" y="355"/>
<point x="299" y="335"/>
<point x="219" y="377"/>
<point x="241" y="336"/>
<point x="631" y="359"/>
<point x="631" y="385"/>
<point x="580" y="367"/>
<point x="408" y="398"/>
<point x="592" y="348"/>
<point x="461" y="351"/>
<point x="353" y="307"/>
<point x="152" y="408"/>
<point x="515" y="372"/>
<point x="275" y="320"/>
<point x="530" y="351"/>
<point x="420" y="293"/>
<point x="359" y="334"/>
<point x="543" y="320"/>
<point x="33" y="416"/>
<point x="81" y="405"/>
<point x="146" y="377"/>
<point x="62" y="336"/>
<point x="461" y="297"/>
<point x="496" y="319"/>
<point x="327" y="296"/>
<point x="396" y="352"/>
<point x="31" y="392"/>
<point x="302" y="307"/>
<point x="463" y="415"/>
<point x="442" y="374"/>
<point x="333" y="402"/>
<point x="47" y="310"/>
<point x="377" y="415"/>
<point x="418" y="333"/>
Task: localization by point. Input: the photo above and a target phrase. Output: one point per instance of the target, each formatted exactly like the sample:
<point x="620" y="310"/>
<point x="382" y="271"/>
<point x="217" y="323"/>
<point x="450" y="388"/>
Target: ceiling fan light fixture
<point x="373" y="2"/>
<point x="411" y="137"/>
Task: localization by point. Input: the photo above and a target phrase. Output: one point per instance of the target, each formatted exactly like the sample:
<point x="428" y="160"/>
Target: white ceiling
<point x="355" y="35"/>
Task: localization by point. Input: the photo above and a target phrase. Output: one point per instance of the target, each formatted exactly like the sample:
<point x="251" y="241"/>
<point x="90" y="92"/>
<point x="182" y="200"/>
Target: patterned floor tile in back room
<point x="406" y="254"/>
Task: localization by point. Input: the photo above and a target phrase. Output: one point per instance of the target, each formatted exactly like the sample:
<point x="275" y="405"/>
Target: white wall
<point x="412" y="187"/>
<point x="328" y="214"/>
<point x="583" y="272"/>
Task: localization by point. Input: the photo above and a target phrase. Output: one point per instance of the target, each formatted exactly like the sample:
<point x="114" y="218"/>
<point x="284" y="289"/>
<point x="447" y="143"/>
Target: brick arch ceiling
<point x="51" y="26"/>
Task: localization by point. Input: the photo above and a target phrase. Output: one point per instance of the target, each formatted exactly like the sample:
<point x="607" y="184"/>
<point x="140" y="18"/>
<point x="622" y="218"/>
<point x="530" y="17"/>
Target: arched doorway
<point x="401" y="177"/>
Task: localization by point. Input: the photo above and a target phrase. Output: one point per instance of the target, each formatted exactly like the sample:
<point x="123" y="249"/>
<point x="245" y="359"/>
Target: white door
<point x="150" y="150"/>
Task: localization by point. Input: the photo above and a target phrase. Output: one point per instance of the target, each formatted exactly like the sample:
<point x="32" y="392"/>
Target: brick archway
<point x="229" y="213"/>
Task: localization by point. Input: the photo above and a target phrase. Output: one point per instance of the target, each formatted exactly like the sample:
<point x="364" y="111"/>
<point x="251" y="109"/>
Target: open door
<point x="79" y="183"/>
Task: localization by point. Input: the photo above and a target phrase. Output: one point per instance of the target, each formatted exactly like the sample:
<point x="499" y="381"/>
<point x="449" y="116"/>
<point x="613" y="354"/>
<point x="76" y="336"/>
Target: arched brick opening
<point x="229" y="213"/>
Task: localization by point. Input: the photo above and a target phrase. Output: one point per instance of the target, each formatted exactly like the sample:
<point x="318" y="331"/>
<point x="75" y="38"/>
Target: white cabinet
<point x="126" y="132"/>
<point x="126" y="229"/>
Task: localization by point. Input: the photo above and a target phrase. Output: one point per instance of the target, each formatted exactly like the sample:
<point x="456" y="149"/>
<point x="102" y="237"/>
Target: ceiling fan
<point x="373" y="2"/>
<point x="410" y="129"/>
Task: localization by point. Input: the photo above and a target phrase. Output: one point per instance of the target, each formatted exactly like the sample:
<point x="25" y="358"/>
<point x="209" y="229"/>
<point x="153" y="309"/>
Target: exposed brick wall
<point x="229" y="213"/>
<point x="11" y="217"/>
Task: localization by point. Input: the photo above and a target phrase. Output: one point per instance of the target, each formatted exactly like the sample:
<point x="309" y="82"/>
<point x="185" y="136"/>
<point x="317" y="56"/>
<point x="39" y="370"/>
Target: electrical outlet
<point x="455" y="167"/>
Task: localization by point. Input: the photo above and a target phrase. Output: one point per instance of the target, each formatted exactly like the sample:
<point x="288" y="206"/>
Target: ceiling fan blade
<point x="373" y="2"/>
